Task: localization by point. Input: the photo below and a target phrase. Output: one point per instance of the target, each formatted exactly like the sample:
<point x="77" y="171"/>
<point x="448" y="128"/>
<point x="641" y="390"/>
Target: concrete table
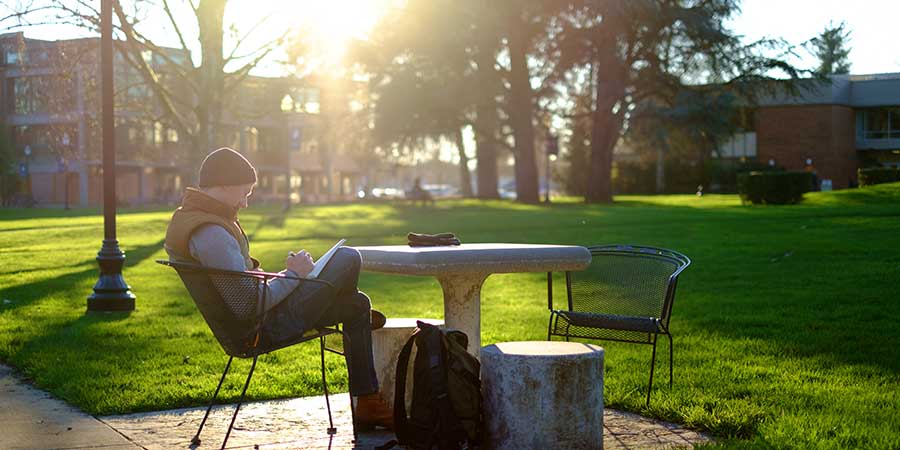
<point x="462" y="269"/>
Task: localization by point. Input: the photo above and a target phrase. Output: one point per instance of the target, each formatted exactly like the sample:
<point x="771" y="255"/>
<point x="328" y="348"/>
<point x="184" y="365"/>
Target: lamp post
<point x="65" y="168"/>
<point x="111" y="293"/>
<point x="552" y="149"/>
<point x="27" y="152"/>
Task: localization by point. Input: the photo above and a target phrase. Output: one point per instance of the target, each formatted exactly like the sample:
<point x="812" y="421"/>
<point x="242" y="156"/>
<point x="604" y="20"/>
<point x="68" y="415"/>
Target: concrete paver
<point x="302" y="423"/>
<point x="32" y="419"/>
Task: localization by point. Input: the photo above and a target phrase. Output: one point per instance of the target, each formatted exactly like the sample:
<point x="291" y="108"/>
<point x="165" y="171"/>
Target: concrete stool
<point x="542" y="394"/>
<point x="386" y="345"/>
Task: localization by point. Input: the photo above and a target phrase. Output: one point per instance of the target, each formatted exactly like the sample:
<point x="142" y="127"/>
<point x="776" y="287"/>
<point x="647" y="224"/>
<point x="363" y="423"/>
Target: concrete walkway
<point x="34" y="420"/>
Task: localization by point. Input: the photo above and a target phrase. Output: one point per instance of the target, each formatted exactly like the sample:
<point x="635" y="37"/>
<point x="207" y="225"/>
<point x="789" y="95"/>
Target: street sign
<point x="23" y="170"/>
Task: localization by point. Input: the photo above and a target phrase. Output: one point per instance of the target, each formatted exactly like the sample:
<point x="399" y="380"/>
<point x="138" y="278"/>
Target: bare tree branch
<point x="150" y="75"/>
<point x="174" y="23"/>
<point x="246" y="35"/>
<point x="147" y="44"/>
<point x="242" y="73"/>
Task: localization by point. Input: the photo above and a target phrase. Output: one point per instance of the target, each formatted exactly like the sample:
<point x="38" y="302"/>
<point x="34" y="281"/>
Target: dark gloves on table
<point x="431" y="240"/>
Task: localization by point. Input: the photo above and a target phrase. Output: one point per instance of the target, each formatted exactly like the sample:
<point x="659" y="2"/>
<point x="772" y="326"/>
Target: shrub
<point x="723" y="173"/>
<point x="681" y="176"/>
<point x="877" y="175"/>
<point x="778" y="188"/>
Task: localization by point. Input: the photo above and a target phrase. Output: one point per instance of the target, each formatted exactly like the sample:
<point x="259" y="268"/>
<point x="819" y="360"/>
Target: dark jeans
<point x="314" y="305"/>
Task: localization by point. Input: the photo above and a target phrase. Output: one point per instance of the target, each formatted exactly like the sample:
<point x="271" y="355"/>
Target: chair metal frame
<point x="638" y="324"/>
<point x="320" y="334"/>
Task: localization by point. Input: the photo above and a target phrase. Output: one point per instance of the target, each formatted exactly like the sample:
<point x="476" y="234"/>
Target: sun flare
<point x="327" y="26"/>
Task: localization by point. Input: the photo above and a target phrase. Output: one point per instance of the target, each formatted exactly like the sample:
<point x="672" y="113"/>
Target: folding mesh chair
<point x="232" y="302"/>
<point x="625" y="295"/>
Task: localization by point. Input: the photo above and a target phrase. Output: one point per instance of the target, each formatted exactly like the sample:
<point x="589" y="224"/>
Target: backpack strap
<point x="450" y="430"/>
<point x="401" y="424"/>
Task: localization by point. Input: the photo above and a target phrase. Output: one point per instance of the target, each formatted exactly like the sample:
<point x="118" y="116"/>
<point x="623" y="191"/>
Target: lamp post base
<point x="111" y="293"/>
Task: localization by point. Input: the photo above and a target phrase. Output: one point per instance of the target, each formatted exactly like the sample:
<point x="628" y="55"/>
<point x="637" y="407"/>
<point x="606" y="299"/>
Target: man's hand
<point x="301" y="263"/>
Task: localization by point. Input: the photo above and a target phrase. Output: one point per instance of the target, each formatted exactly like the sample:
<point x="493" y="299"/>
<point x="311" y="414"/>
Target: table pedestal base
<point x="462" y="305"/>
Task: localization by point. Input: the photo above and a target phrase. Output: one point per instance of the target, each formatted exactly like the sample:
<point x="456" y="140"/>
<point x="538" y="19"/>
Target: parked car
<point x="441" y="190"/>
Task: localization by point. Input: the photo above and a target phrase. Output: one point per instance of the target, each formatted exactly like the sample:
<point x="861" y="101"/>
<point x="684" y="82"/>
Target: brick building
<point x="50" y="107"/>
<point x="832" y="128"/>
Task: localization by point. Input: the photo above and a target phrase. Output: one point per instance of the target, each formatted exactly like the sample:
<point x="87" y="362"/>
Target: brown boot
<point x="372" y="411"/>
<point x="378" y="319"/>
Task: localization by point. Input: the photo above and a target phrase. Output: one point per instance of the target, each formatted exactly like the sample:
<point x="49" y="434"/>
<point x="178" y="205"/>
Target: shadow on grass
<point x="45" y="213"/>
<point x="27" y="293"/>
<point x="56" y="227"/>
<point x="72" y="359"/>
<point x="275" y="220"/>
<point x="843" y="328"/>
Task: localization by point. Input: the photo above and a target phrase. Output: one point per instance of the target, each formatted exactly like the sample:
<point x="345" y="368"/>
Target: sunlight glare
<point x="327" y="26"/>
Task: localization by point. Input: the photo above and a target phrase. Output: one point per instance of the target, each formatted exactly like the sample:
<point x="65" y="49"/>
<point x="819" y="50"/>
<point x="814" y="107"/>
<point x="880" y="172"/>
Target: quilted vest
<point x="198" y="208"/>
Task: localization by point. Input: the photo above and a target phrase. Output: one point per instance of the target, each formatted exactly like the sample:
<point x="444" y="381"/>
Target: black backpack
<point x="446" y="402"/>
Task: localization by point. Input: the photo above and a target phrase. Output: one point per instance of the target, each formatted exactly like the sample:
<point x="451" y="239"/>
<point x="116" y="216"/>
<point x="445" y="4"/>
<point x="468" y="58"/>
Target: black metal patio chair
<point x="625" y="295"/>
<point x="237" y="324"/>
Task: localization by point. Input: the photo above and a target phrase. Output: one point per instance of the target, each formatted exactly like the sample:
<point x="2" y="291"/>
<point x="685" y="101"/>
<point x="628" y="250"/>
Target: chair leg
<point x="652" y="366"/>
<point x="671" y="361"/>
<point x="331" y="429"/>
<point x="347" y="355"/>
<point x="241" y="401"/>
<point x="353" y="419"/>
<point x="196" y="439"/>
<point x="550" y="327"/>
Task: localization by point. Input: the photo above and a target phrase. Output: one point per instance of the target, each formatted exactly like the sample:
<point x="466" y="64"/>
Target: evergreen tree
<point x="831" y="48"/>
<point x="647" y="51"/>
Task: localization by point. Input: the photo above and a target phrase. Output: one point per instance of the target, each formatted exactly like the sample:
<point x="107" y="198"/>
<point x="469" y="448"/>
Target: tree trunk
<point x="660" y="169"/>
<point x="465" y="177"/>
<point x="486" y="154"/>
<point x="521" y="111"/>
<point x="210" y="21"/>
<point x="606" y="124"/>
<point x="486" y="122"/>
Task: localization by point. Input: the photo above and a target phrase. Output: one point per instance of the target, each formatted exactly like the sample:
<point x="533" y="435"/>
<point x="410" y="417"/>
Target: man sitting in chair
<point x="206" y="230"/>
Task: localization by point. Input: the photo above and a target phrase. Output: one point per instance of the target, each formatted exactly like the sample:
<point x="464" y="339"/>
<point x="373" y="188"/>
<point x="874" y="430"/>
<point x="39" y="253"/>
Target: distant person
<point x="815" y="176"/>
<point x="205" y="229"/>
<point x="418" y="193"/>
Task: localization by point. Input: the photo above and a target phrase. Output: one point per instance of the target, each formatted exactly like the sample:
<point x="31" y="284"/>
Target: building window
<point x="740" y="145"/>
<point x="895" y="122"/>
<point x="158" y="130"/>
<point x="287" y="103"/>
<point x="252" y="135"/>
<point x="879" y="123"/>
<point x="42" y="94"/>
<point x="305" y="99"/>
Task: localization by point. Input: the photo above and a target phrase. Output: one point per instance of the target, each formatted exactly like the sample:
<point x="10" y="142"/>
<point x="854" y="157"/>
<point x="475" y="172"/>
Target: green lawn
<point x="785" y="325"/>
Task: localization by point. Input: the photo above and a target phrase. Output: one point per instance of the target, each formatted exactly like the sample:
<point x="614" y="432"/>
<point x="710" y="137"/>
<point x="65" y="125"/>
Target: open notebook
<point x="319" y="266"/>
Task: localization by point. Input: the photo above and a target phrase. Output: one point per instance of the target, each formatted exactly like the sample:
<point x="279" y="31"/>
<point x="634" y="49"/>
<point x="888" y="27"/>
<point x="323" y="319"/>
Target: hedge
<point x="877" y="175"/>
<point x="777" y="188"/>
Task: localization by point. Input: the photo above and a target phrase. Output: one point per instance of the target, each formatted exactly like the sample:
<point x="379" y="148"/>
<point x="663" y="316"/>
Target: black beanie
<point x="226" y="167"/>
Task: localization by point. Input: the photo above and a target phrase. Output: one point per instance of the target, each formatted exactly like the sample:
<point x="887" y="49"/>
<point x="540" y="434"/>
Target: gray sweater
<point x="214" y="247"/>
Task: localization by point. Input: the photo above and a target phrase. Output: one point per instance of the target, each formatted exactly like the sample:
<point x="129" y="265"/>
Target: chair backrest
<point x="628" y="281"/>
<point x="233" y="323"/>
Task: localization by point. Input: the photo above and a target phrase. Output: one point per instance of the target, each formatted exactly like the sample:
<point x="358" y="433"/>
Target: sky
<point x="872" y="23"/>
<point x="874" y="46"/>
